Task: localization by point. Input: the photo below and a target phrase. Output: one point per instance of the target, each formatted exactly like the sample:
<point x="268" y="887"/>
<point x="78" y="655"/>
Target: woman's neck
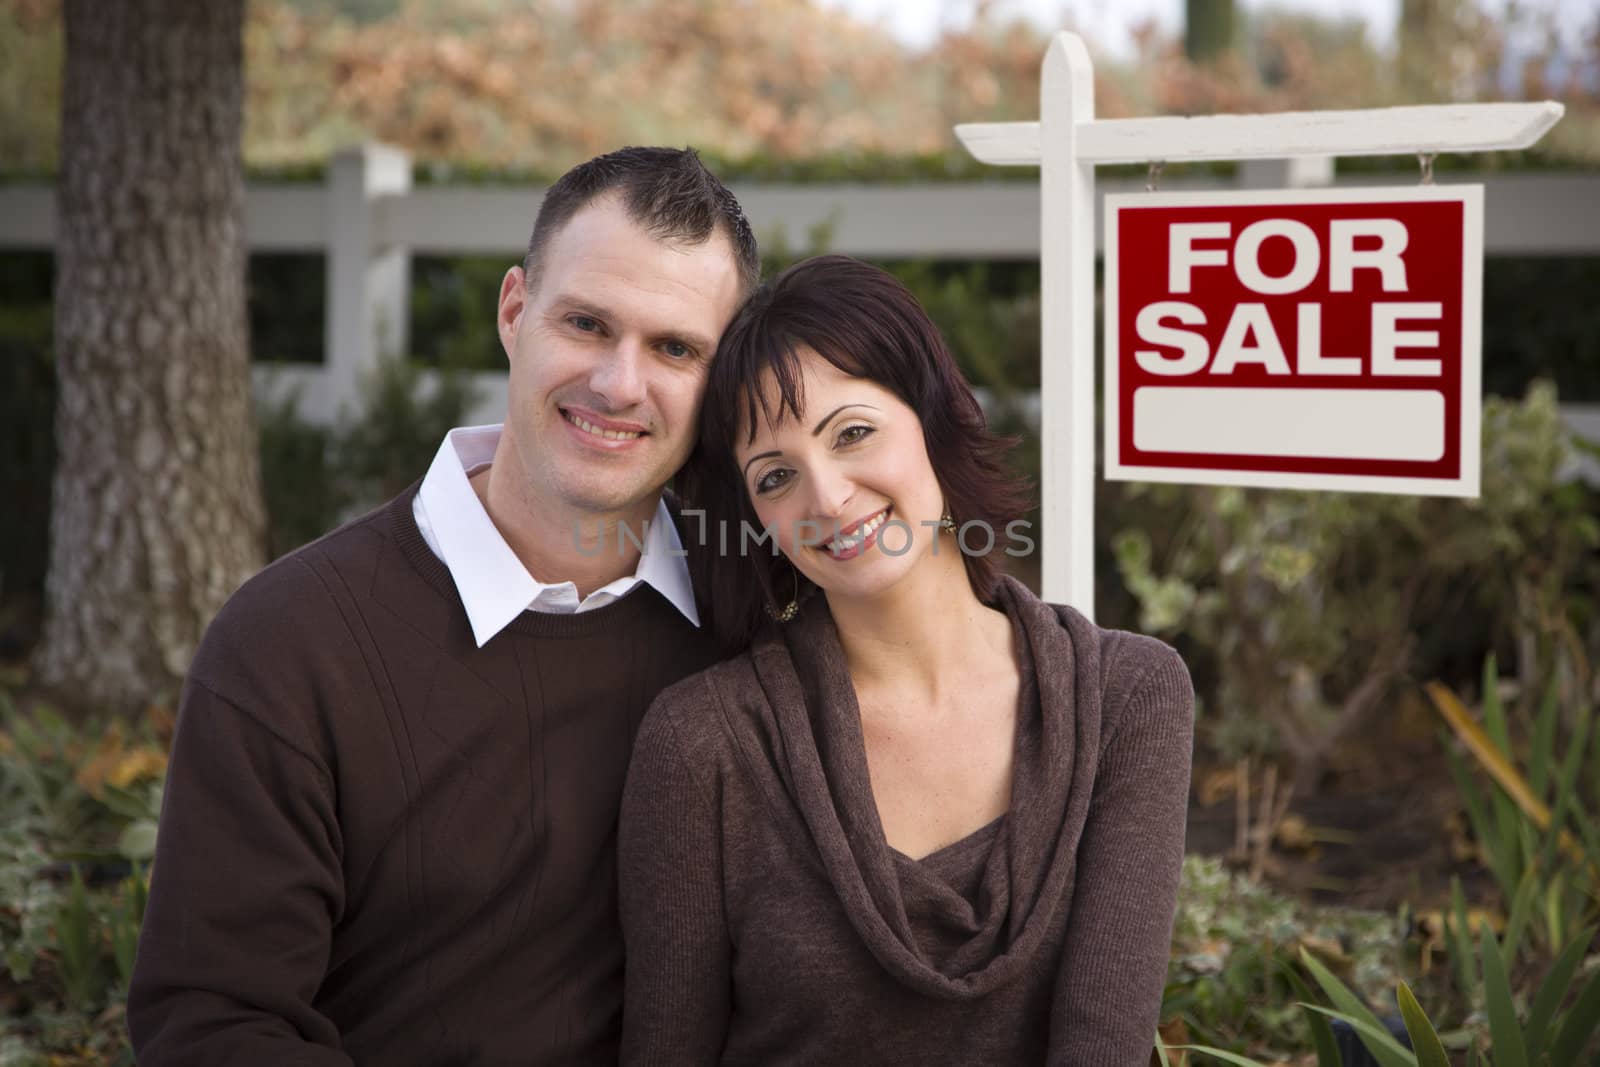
<point x="930" y="628"/>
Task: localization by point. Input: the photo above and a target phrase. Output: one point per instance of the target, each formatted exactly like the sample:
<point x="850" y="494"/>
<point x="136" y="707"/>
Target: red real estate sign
<point x="1298" y="338"/>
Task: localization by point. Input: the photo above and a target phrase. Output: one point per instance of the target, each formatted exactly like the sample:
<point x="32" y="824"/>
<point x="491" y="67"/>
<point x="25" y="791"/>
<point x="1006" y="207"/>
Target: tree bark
<point x="157" y="512"/>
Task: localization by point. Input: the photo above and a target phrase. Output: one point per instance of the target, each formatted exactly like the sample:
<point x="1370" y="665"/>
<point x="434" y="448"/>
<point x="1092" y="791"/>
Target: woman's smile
<point x="858" y="536"/>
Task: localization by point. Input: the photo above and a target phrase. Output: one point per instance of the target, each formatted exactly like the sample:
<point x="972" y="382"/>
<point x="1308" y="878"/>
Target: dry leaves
<point x="116" y="763"/>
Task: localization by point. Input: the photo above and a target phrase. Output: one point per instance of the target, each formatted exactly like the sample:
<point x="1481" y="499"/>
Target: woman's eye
<point x="851" y="434"/>
<point x="771" y="480"/>
<point x="677" y="350"/>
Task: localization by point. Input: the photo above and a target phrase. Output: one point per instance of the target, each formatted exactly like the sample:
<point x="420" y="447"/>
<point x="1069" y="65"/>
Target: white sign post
<point x="1067" y="144"/>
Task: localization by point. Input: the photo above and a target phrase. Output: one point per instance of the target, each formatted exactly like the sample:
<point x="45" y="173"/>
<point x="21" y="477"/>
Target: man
<point x="390" y="815"/>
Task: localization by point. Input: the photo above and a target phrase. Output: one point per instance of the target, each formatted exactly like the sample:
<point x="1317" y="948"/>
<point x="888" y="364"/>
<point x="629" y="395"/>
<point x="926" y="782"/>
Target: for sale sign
<point x="1301" y="338"/>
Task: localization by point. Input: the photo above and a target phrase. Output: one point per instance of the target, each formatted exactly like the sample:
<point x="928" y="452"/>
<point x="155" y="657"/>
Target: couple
<point x="918" y="817"/>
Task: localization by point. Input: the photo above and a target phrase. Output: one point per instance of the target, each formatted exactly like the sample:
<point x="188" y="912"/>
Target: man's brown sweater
<point x="383" y="845"/>
<point x="769" y="922"/>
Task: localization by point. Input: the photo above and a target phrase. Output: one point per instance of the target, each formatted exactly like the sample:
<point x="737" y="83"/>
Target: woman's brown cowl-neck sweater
<point x="768" y="921"/>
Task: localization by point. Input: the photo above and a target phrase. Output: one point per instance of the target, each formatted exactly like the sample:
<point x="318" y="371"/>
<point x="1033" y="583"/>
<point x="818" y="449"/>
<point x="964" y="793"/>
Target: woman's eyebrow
<point x="829" y="416"/>
<point x="758" y="455"/>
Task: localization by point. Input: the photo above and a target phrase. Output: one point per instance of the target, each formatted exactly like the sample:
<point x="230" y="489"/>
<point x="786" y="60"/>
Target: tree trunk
<point x="157" y="512"/>
<point x="1207" y="29"/>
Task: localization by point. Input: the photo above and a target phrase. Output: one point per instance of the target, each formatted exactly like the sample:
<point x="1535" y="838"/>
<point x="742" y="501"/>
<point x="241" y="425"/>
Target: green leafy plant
<point x="402" y="421"/>
<point x="1233" y="979"/>
<point x="1555" y="1031"/>
<point x="78" y="804"/>
<point x="127" y="919"/>
<point x="79" y="961"/>
<point x="1303" y="610"/>
<point x="1538" y="824"/>
<point x="315" y="476"/>
<point x="37" y="790"/>
<point x="303" y="497"/>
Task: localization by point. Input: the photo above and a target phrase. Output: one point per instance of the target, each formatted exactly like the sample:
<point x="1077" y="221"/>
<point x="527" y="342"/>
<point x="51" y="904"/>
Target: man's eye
<point x="584" y="323"/>
<point x="677" y="349"/>
<point x="771" y="480"/>
<point x="851" y="434"/>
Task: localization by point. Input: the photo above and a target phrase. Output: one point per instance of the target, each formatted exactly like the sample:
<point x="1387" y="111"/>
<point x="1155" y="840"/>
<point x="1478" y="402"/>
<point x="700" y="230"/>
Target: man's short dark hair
<point x="668" y="191"/>
<point x="862" y="320"/>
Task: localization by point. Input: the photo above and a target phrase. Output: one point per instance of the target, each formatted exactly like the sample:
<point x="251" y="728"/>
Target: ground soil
<point x="1385" y="822"/>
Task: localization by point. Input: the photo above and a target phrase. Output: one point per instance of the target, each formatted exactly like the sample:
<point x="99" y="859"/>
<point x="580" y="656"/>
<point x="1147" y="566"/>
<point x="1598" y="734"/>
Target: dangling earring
<point x="946" y="523"/>
<point x="791" y="609"/>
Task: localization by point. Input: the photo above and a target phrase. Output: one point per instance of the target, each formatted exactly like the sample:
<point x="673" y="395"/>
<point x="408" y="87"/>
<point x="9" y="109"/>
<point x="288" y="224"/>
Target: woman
<point x="925" y="818"/>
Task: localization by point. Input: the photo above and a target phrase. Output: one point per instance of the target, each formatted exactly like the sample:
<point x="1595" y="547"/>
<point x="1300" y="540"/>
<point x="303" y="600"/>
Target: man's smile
<point x="601" y="431"/>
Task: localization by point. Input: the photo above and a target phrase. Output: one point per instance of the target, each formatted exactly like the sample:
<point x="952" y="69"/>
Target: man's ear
<point x="513" y="302"/>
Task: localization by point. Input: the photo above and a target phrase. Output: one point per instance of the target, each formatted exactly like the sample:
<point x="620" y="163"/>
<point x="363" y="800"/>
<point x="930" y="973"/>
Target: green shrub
<point x="402" y="420"/>
<point x="454" y="311"/>
<point x="1538" y="824"/>
<point x="1302" y="610"/>
<point x="298" y="484"/>
<point x="315" y="476"/>
<point x="78" y="806"/>
<point x="1232" y="978"/>
<point x="1554" y="1029"/>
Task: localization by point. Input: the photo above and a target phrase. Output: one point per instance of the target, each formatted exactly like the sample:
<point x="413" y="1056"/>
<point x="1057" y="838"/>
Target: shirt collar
<point x="493" y="584"/>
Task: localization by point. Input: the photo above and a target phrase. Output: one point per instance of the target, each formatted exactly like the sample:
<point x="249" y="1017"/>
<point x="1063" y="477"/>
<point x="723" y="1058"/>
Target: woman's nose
<point x="830" y="493"/>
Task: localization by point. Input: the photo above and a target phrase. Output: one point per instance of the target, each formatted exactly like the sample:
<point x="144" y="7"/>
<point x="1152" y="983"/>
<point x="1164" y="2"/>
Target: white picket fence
<point x="368" y="220"/>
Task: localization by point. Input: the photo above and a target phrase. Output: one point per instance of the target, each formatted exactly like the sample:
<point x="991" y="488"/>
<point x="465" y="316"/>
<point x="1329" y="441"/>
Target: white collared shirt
<point x="494" y="585"/>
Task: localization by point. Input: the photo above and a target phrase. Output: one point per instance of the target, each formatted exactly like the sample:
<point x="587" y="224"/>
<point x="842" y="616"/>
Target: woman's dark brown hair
<point x="865" y="322"/>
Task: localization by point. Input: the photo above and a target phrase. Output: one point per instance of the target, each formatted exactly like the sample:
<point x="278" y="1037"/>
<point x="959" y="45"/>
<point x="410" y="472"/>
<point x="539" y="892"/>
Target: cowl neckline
<point x="922" y="931"/>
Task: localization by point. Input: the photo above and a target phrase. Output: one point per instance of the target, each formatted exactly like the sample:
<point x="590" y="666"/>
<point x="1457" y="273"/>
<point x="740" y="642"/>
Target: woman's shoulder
<point x="1135" y="659"/>
<point x="1134" y="668"/>
<point x="730" y="678"/>
<point x="1120" y="652"/>
<point x="696" y="710"/>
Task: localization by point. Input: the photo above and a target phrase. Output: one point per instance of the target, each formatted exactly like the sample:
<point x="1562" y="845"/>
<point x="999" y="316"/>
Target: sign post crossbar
<point x="1067" y="143"/>
<point x="1373" y="132"/>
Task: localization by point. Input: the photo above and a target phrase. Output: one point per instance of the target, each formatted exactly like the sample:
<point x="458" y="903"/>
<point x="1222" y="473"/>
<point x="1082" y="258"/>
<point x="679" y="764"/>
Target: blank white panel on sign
<point x="1388" y="424"/>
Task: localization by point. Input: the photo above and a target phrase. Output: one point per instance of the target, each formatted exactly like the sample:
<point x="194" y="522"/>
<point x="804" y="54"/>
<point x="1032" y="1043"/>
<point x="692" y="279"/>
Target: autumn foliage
<point x="536" y="85"/>
<point x="548" y="83"/>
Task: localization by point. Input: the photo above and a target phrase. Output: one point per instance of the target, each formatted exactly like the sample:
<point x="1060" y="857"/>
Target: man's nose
<point x="618" y="378"/>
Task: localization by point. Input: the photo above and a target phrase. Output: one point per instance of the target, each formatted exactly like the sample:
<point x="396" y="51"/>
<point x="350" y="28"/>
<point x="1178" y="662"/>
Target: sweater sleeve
<point x="244" y="893"/>
<point x="677" y="993"/>
<point x="1119" y="933"/>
